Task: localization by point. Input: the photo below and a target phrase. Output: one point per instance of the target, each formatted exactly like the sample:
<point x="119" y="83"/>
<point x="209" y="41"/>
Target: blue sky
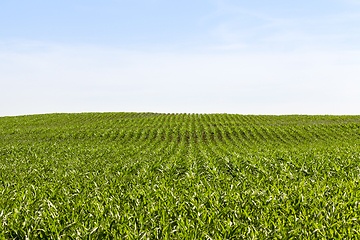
<point x="246" y="57"/>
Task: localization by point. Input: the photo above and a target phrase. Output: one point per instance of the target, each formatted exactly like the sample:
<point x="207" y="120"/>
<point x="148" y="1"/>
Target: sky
<point x="188" y="56"/>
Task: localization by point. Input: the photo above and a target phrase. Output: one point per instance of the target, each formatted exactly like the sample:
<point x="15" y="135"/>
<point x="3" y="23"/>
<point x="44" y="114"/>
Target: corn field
<point x="179" y="176"/>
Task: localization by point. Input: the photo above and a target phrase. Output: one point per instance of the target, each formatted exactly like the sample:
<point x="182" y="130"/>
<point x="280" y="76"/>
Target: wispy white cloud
<point x="351" y="1"/>
<point x="268" y="30"/>
<point x="76" y="79"/>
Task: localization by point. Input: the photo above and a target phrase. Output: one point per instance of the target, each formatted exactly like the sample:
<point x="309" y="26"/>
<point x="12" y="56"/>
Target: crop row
<point x="179" y="176"/>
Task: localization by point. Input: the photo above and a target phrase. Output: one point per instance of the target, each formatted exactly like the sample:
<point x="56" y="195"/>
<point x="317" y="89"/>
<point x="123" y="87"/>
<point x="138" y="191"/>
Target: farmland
<point x="179" y="176"/>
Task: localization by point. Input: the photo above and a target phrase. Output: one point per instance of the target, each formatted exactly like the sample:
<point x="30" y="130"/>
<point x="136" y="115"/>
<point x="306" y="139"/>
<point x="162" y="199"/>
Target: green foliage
<point x="179" y="176"/>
